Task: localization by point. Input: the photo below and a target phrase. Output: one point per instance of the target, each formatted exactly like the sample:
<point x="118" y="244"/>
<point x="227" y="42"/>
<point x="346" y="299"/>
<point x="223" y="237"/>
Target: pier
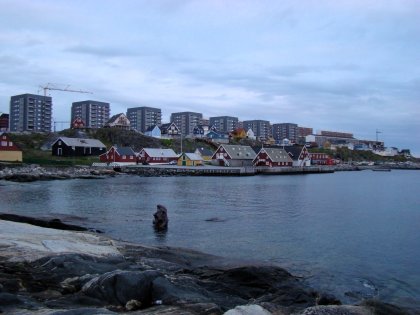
<point x="173" y="170"/>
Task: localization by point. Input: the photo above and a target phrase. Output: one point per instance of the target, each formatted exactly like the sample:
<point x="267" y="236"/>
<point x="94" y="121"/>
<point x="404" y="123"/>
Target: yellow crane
<point x="54" y="87"/>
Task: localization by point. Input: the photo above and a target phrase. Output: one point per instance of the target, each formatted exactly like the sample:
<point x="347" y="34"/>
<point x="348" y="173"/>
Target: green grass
<point x="45" y="158"/>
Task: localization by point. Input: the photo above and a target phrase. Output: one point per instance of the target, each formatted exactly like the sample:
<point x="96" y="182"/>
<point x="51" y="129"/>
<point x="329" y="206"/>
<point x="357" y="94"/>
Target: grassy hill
<point x="36" y="146"/>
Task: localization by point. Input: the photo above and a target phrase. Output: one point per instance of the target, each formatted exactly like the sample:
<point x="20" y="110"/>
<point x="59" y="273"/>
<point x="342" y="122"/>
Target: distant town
<point x="31" y="113"/>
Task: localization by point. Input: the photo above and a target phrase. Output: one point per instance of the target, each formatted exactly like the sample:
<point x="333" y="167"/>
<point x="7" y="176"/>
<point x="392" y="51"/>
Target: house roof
<point x="151" y="128"/>
<point x="277" y="154"/>
<point x="116" y="120"/>
<point x="193" y="156"/>
<point x="239" y="152"/>
<point x="168" y="153"/>
<point x="80" y="142"/>
<point x="294" y="151"/>
<point x="165" y="127"/>
<point x="124" y="151"/>
<point x="205" y="151"/>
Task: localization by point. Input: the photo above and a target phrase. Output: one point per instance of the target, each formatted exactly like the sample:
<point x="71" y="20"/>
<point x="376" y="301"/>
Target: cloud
<point x="101" y="51"/>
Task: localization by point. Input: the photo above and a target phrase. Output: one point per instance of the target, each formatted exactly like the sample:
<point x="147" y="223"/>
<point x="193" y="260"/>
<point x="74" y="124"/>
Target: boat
<point x="381" y="169"/>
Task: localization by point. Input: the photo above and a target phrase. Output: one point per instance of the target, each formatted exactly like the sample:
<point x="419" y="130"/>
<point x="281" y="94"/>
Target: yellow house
<point x="190" y="159"/>
<point x="205" y="153"/>
<point x="9" y="152"/>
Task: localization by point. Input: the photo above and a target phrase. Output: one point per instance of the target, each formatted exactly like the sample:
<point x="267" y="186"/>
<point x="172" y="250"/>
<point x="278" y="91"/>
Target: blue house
<point x="153" y="131"/>
<point x="217" y="137"/>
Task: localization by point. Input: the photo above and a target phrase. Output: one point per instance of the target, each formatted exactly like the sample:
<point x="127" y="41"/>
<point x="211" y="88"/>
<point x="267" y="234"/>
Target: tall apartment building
<point x="30" y="112"/>
<point x="94" y="114"/>
<point x="186" y="121"/>
<point x="261" y="128"/>
<point x="285" y="131"/>
<point x="224" y="124"/>
<point x="142" y="118"/>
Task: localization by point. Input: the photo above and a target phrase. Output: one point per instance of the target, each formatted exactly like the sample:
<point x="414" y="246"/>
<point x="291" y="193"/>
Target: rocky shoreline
<point x="30" y="173"/>
<point x="55" y="271"/>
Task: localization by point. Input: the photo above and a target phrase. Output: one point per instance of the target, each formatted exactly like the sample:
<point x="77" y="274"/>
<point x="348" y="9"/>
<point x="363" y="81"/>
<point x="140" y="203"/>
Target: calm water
<point x="354" y="234"/>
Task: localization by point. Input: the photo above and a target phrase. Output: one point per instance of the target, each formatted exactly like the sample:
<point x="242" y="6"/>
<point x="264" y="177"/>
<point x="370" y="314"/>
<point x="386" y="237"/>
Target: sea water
<point x="352" y="234"/>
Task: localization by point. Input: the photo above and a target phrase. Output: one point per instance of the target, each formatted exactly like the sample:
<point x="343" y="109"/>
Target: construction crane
<point x="53" y="87"/>
<point x="377" y="133"/>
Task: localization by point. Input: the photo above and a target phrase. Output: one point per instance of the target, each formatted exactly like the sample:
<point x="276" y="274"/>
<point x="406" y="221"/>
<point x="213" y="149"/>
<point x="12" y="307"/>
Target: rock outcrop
<point x="160" y="218"/>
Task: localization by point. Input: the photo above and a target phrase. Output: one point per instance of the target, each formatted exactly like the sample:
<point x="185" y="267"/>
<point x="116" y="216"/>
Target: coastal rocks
<point x="48" y="271"/>
<point x="160" y="221"/>
<point x="34" y="173"/>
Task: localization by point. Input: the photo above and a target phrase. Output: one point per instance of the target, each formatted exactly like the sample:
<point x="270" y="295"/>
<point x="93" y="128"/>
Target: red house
<point x="120" y="155"/>
<point x="272" y="157"/>
<point x="9" y="151"/>
<point x="157" y="156"/>
<point x="321" y="159"/>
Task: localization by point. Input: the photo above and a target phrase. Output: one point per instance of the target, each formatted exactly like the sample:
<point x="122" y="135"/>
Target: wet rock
<point x="8" y="299"/>
<point x="53" y="223"/>
<point x="160" y="221"/>
<point x="180" y="292"/>
<point x="327" y="299"/>
<point x="380" y="308"/>
<point x="119" y="287"/>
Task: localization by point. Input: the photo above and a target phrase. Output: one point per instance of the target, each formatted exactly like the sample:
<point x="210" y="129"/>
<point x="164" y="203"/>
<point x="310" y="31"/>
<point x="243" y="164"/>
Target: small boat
<point x="381" y="169"/>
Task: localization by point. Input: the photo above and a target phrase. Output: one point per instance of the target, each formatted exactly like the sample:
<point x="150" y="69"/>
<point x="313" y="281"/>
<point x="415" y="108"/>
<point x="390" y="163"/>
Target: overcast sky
<point x="350" y="66"/>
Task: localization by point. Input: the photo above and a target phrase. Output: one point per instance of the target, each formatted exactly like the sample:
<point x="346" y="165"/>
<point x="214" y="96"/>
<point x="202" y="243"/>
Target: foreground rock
<point x="49" y="271"/>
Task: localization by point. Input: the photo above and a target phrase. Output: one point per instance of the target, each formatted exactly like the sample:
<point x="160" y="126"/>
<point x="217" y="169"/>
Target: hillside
<point x="36" y="146"/>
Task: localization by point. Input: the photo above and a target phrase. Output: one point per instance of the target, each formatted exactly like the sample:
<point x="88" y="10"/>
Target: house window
<point x="59" y="142"/>
<point x="124" y="157"/>
<point x="10" y="144"/>
<point x="4" y="143"/>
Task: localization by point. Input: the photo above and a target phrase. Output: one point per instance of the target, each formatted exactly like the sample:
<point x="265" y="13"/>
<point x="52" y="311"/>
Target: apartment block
<point x="186" y="121"/>
<point x="30" y="112"/>
<point x="285" y="131"/>
<point x="304" y="131"/>
<point x="94" y="114"/>
<point x="261" y="128"/>
<point x="142" y="118"/>
<point x="224" y="124"/>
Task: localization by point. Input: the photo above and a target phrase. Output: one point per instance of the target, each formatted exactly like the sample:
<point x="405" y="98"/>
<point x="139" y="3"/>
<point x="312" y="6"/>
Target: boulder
<point x="248" y="310"/>
<point x="160" y="221"/>
<point x="119" y="287"/>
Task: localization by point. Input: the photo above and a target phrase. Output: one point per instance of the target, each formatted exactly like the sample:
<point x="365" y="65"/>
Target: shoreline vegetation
<point x="51" y="267"/>
<point x="34" y="172"/>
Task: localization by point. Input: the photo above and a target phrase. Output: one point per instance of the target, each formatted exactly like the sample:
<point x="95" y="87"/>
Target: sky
<point x="348" y="66"/>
